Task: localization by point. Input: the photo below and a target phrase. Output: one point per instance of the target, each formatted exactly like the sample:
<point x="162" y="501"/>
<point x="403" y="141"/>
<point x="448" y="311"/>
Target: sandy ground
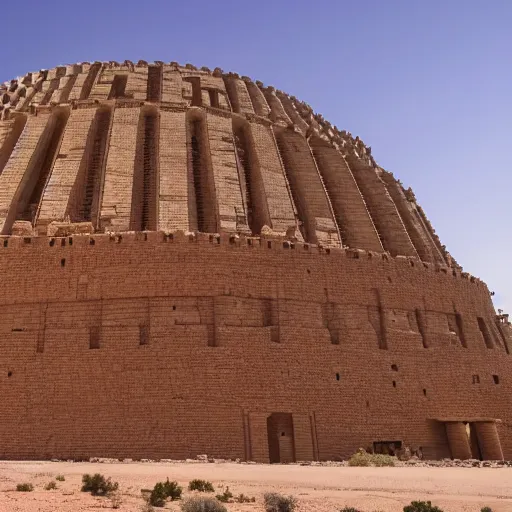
<point x="318" y="489"/>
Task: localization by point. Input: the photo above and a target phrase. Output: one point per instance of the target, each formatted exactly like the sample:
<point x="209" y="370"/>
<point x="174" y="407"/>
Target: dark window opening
<point x="476" y="379"/>
<point x="94" y="337"/>
<point x="197" y="99"/>
<point x="143" y="335"/>
<point x="496" y="379"/>
<point x="9" y="374"/>
<point x="154" y="83"/>
<point x="118" y="87"/>
<point x="394" y="367"/>
<point x="214" y="98"/>
<point x="337" y="376"/>
<point x="63" y="262"/>
<point x="424" y="392"/>
<point x="394" y="383"/>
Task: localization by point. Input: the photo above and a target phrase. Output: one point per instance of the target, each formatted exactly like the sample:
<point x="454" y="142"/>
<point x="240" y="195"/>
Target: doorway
<point x="281" y="443"/>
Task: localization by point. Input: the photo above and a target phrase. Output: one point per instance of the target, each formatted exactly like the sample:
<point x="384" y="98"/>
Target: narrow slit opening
<point x="154" y="83"/>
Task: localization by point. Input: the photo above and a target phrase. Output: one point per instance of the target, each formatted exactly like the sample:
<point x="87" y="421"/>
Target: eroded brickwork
<point x="160" y="299"/>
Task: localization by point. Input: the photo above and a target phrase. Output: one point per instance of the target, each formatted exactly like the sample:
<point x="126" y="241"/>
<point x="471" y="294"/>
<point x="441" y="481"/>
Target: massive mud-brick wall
<point x="195" y="263"/>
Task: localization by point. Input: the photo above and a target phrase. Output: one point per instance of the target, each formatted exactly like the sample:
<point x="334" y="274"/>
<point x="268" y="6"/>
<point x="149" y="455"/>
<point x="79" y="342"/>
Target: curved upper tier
<point x="131" y="147"/>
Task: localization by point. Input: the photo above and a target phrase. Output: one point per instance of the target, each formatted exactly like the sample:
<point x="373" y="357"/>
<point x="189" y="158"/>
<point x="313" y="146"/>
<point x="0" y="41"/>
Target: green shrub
<point x="362" y="458"/>
<point x="421" y="506"/>
<point x="50" y="486"/>
<point x="226" y="496"/>
<point x="201" y="486"/>
<point x="162" y="491"/>
<point x="275" y="502"/>
<point x="98" y="485"/>
<point x="202" y="504"/>
<point x="60" y="478"/>
<point x="242" y="498"/>
<point x="25" y="487"/>
<point x="349" y="509"/>
<point x="486" y="509"/>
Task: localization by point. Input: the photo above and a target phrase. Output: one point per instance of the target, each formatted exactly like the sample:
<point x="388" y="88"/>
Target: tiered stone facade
<point x="195" y="263"/>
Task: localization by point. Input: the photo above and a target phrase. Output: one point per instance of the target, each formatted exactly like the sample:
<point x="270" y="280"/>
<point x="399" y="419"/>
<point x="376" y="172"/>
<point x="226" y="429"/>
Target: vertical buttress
<point x="419" y="235"/>
<point x="116" y="203"/>
<point x="176" y="201"/>
<point x="355" y="224"/>
<point x="60" y="194"/>
<point x="385" y="216"/>
<point x="228" y="191"/>
<point x="318" y="224"/>
<point x="36" y="178"/>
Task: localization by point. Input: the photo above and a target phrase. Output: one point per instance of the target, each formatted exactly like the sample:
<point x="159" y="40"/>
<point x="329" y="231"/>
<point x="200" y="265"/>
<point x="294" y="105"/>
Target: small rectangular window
<point x="496" y="379"/>
<point x="476" y="379"/>
<point x="94" y="337"/>
<point x="143" y="335"/>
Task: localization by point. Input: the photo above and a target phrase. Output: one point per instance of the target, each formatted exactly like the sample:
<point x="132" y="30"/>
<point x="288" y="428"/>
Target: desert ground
<point x="317" y="488"/>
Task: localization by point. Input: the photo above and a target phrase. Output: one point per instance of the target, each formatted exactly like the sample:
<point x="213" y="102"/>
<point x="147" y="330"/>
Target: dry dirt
<point x="318" y="489"/>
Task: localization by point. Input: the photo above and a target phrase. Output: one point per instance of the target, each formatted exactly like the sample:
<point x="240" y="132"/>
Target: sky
<point x="428" y="85"/>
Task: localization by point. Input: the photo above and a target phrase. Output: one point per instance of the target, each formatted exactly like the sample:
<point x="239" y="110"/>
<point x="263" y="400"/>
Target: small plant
<point x="98" y="485"/>
<point x="242" y="498"/>
<point x="421" y="506"/>
<point x="486" y="509"/>
<point x="162" y="491"/>
<point x="115" y="500"/>
<point x="349" y="509"/>
<point x="226" y="496"/>
<point x="275" y="502"/>
<point x="25" y="487"/>
<point x="50" y="486"/>
<point x="202" y="504"/>
<point x="60" y="478"/>
<point x="200" y="485"/>
<point x="362" y="458"/>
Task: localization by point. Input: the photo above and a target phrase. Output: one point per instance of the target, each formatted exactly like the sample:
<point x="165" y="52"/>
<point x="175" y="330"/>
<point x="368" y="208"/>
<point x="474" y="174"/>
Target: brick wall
<point x="145" y="338"/>
<point x="209" y="372"/>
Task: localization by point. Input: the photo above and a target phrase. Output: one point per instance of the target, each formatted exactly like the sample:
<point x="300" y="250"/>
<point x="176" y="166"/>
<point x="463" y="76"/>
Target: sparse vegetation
<point x="421" y="506"/>
<point x="162" y="491"/>
<point x="349" y="509"/>
<point x="200" y="485"/>
<point x="226" y="496"/>
<point x="25" y="487"/>
<point x="275" y="502"/>
<point x="363" y="458"/>
<point x="50" y="486"/>
<point x="202" y="504"/>
<point x="115" y="500"/>
<point x="242" y="498"/>
<point x="60" y="478"/>
<point x="98" y="485"/>
<point x="486" y="509"/>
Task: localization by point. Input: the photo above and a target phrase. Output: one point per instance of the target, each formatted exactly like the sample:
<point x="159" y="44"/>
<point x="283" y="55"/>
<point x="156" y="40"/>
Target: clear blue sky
<point x="427" y="84"/>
